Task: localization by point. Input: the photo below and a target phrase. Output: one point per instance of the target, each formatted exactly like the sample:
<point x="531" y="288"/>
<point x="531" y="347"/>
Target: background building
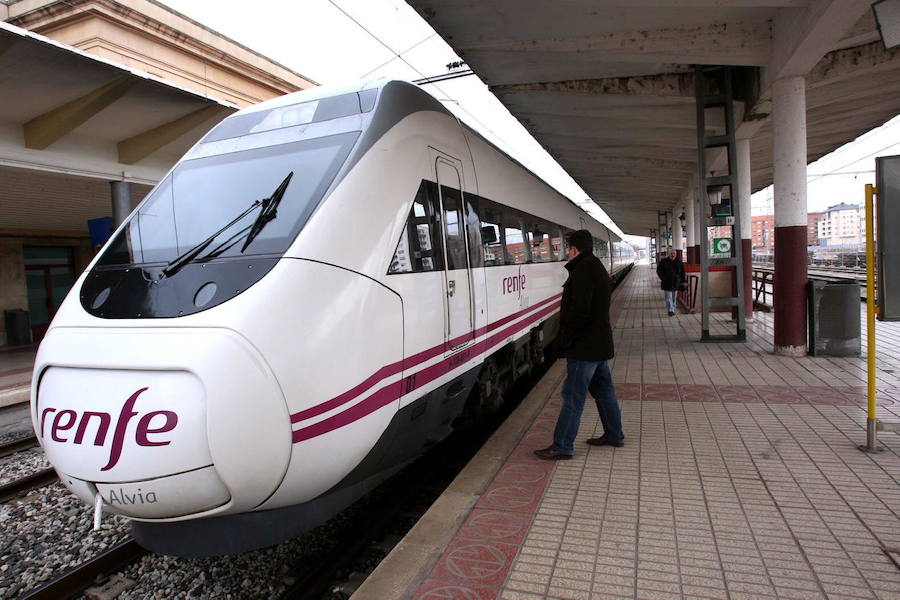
<point x="842" y="224"/>
<point x="812" y="224"/>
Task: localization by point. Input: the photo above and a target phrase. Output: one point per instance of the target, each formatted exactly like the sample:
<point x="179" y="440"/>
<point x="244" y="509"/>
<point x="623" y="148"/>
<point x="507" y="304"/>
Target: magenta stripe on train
<point x="408" y="363"/>
<point x="392" y="392"/>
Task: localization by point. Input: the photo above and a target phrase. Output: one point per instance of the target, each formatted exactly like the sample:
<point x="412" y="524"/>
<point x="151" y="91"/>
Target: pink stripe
<point x="390" y="393"/>
<point x="349" y="395"/>
<point x="382" y="397"/>
<point x="408" y="363"/>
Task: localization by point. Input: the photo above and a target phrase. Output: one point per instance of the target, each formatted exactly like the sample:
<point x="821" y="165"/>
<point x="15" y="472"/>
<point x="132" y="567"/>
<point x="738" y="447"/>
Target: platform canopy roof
<point x="607" y="86"/>
<point x="70" y="112"/>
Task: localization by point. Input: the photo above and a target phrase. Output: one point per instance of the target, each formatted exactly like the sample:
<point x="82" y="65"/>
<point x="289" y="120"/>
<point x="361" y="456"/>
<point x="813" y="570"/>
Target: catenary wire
<point x="422" y="75"/>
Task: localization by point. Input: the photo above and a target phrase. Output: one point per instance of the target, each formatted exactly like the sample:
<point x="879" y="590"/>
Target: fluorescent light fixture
<point x="887" y="16"/>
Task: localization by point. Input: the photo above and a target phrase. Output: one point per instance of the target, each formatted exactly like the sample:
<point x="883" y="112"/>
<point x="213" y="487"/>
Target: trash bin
<point x="18" y="327"/>
<point x="834" y="318"/>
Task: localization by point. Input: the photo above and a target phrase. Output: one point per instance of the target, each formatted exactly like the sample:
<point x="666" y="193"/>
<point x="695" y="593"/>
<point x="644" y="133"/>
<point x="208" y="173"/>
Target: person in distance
<point x="670" y="271"/>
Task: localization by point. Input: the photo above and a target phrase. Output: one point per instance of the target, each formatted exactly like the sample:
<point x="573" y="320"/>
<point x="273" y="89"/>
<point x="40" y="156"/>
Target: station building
<point x="100" y="99"/>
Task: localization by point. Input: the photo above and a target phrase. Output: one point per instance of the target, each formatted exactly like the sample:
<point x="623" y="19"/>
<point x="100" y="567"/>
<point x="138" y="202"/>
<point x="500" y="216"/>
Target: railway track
<point x="406" y="496"/>
<point x="74" y="581"/>
<point x="17" y="446"/>
<point x="27" y="483"/>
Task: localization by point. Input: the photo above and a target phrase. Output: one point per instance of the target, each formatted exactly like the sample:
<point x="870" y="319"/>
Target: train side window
<point x="418" y="249"/>
<point x="455" y="229"/>
<point x="565" y="242"/>
<point x="491" y="234"/>
<point x="473" y="225"/>
<point x="516" y="248"/>
<point x="556" y="244"/>
<point x="540" y="246"/>
<point x="603" y="251"/>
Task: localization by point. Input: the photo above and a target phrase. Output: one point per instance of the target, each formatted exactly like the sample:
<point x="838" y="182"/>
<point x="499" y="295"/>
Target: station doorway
<point x="49" y="275"/>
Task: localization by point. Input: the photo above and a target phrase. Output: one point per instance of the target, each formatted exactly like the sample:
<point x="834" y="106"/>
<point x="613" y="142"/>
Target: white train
<point x="300" y="307"/>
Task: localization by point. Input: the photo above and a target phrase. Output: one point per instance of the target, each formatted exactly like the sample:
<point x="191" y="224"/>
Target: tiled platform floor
<point x="740" y="478"/>
<point x="15" y="373"/>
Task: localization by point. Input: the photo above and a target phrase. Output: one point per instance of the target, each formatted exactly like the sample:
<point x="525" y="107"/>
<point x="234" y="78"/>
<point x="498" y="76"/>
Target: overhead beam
<point x="144" y="144"/>
<point x="631" y="162"/>
<point x="47" y="128"/>
<point x="681" y="139"/>
<point x="561" y="146"/>
<point x="746" y="43"/>
<point x="850" y="63"/>
<point x="802" y="36"/>
<point x="634" y="171"/>
<point x="672" y="85"/>
<point x="680" y="117"/>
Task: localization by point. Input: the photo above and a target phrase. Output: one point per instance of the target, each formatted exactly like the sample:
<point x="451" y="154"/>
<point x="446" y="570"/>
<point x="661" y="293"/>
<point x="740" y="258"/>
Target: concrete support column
<point x="691" y="230"/>
<point x="746" y="242"/>
<point x="789" y="157"/>
<point x="121" y="201"/>
<point x="701" y="208"/>
<point x="677" y="232"/>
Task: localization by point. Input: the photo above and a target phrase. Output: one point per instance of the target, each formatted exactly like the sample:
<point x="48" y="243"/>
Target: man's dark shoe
<point x="602" y="441"/>
<point x="671" y="314"/>
<point x="551" y="453"/>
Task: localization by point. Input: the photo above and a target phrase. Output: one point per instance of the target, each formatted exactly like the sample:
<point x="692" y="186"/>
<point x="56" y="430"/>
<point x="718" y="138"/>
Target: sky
<point x="338" y="41"/>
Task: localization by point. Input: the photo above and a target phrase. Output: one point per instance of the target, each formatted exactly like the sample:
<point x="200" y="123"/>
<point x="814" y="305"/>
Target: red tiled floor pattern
<point x="769" y="394"/>
<point x="476" y="563"/>
<point x="739" y="478"/>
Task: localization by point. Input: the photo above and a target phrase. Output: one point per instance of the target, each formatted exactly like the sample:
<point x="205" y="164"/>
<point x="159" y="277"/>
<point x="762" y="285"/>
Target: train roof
<point x="396" y="99"/>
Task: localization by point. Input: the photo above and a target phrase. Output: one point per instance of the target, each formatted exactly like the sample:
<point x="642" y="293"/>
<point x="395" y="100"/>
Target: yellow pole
<point x="871" y="421"/>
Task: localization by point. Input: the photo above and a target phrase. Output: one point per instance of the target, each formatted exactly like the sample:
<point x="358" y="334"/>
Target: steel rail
<point x="27" y="483"/>
<point x="18" y="445"/>
<point x="77" y="579"/>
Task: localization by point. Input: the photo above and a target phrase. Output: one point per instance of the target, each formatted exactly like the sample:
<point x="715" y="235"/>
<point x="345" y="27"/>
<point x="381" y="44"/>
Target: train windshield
<point x="214" y="196"/>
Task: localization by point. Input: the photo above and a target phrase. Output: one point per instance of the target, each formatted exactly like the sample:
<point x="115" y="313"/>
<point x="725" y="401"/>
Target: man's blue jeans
<point x="670" y="300"/>
<point x="582" y="377"/>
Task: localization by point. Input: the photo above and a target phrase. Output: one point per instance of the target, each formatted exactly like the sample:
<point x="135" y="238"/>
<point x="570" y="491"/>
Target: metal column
<point x="121" y="201"/>
<point x="714" y="91"/>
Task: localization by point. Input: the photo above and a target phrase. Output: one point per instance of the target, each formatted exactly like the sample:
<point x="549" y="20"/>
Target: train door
<point x="459" y="315"/>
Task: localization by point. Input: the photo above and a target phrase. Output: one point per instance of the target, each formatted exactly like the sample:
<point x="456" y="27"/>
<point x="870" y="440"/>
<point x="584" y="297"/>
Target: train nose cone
<point x="138" y="437"/>
<point x="166" y="424"/>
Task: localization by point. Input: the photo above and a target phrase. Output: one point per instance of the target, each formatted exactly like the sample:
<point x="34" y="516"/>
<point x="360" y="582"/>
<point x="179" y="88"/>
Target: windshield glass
<point x="202" y="195"/>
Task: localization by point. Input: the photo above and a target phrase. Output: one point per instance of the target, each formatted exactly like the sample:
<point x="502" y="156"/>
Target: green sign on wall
<point x="721" y="246"/>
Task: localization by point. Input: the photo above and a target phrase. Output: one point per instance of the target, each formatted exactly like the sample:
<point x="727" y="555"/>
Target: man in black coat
<point x="670" y="271"/>
<point x="585" y="340"/>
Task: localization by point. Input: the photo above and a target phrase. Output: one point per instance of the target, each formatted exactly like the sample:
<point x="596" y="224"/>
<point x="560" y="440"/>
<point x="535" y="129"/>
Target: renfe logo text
<point x="65" y="420"/>
<point x="513" y="284"/>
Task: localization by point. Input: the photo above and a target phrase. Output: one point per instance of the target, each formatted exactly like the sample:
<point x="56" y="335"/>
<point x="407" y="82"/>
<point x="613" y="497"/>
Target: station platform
<point x="740" y="478"/>
<point x="16" y="365"/>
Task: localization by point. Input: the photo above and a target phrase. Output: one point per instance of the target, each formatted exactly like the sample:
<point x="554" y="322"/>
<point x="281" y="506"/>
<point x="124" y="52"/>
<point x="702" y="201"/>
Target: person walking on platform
<point x="670" y="271"/>
<point x="585" y="341"/>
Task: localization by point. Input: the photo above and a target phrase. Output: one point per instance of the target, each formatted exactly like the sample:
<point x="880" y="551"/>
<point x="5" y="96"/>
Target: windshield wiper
<point x="269" y="211"/>
<point x="176" y="264"/>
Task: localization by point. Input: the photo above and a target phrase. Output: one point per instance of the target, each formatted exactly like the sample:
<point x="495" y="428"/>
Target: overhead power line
<point x="853" y="162"/>
<point x="393" y="58"/>
<point x="444" y="77"/>
<point x="422" y="75"/>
